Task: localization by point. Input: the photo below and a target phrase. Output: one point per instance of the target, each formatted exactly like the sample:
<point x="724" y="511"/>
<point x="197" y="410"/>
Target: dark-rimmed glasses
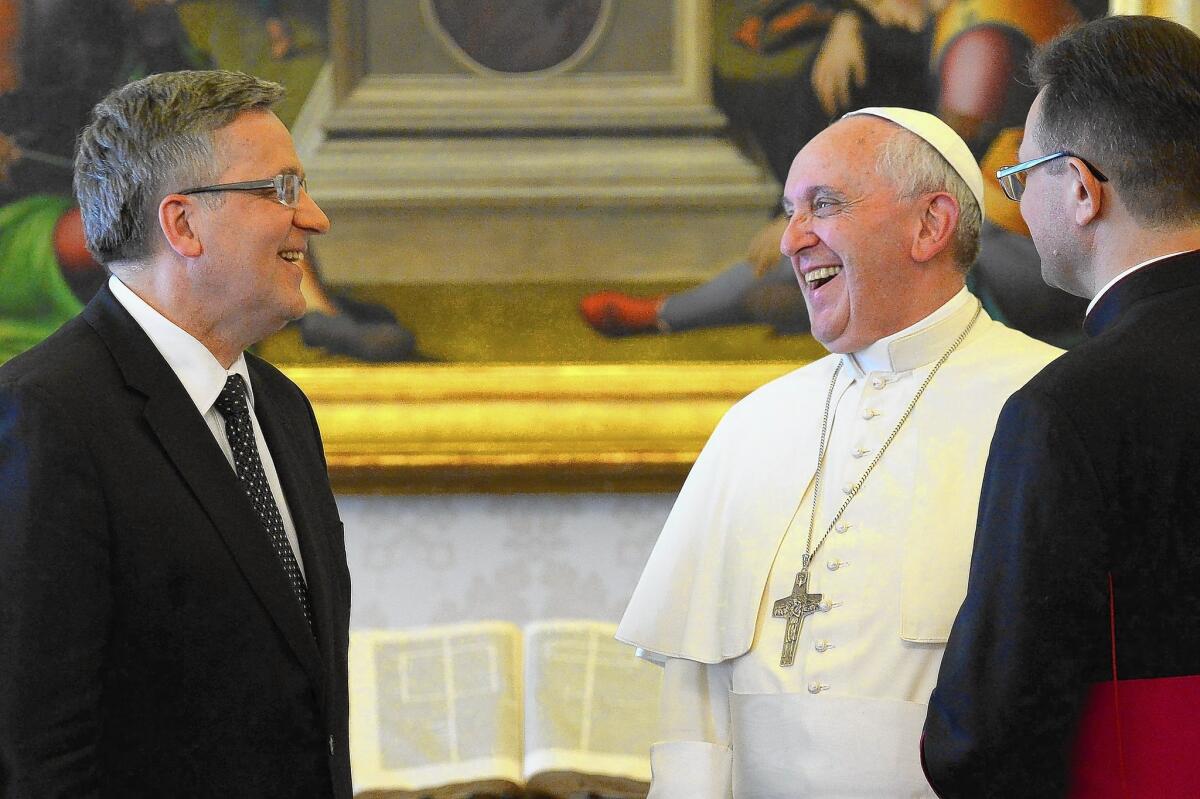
<point x="1012" y="178"/>
<point x="287" y="188"/>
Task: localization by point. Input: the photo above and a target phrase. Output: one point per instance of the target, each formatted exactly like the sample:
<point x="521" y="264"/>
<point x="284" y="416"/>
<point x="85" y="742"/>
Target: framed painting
<point x="554" y="255"/>
<point x="569" y="205"/>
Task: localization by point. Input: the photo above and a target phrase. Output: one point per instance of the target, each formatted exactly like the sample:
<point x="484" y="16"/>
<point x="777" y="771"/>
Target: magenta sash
<point x="1148" y="750"/>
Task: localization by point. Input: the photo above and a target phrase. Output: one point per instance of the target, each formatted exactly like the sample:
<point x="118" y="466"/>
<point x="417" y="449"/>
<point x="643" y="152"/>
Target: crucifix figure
<point x="794" y="608"/>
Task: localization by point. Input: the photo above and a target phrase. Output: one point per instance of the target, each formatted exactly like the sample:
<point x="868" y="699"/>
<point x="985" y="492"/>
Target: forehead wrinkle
<point x="822" y="188"/>
<point x="812" y="191"/>
<point x="847" y="140"/>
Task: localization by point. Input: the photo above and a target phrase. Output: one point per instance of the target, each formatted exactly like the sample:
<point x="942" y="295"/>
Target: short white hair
<point x="916" y="168"/>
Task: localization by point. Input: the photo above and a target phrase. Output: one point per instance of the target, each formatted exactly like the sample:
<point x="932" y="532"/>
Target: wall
<point x="440" y="559"/>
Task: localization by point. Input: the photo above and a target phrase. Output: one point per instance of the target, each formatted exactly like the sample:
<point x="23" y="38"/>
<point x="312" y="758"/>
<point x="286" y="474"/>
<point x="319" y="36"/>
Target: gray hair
<point x="149" y="138"/>
<point x="916" y="168"/>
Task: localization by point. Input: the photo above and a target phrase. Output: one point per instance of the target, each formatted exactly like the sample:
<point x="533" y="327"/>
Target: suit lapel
<point x="188" y="442"/>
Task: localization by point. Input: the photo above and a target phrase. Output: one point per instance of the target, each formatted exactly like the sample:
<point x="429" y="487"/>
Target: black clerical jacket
<point x="1094" y="473"/>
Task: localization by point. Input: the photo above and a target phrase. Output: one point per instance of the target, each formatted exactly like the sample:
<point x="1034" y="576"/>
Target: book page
<point x="591" y="708"/>
<point x="437" y="706"/>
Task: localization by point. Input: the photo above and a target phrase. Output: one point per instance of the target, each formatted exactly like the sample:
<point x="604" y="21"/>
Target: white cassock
<point x="845" y="720"/>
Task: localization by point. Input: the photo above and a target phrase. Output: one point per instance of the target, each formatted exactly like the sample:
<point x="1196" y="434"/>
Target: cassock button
<point x="815" y="687"/>
<point x="870" y="413"/>
<point x="827" y="605"/>
<point x="878" y="383"/>
<point x="822" y="646"/>
<point x="859" y="452"/>
<point x="841" y="527"/>
<point x="834" y="565"/>
<point x="848" y="489"/>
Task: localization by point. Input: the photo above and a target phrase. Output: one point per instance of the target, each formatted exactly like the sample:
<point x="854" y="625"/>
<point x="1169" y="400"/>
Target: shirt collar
<point x="1123" y="275"/>
<point x="918" y="344"/>
<point x="198" y="370"/>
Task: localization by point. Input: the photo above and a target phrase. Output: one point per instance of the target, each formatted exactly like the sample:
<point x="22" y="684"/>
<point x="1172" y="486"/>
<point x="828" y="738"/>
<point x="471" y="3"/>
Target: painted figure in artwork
<point x="961" y="59"/>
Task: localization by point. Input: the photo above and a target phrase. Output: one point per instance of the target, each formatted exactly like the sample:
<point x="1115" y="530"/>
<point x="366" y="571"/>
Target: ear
<point x="1087" y="196"/>
<point x="937" y="224"/>
<point x="175" y="219"/>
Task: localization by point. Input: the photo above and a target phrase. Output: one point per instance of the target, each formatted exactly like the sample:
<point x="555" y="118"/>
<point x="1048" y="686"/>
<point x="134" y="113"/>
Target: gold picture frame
<point x="512" y="428"/>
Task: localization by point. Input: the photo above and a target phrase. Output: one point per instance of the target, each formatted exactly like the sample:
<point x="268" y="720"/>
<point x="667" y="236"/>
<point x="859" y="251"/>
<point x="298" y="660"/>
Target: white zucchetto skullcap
<point x="941" y="137"/>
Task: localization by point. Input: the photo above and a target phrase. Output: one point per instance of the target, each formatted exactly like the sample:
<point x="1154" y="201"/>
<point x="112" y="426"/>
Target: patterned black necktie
<point x="231" y="404"/>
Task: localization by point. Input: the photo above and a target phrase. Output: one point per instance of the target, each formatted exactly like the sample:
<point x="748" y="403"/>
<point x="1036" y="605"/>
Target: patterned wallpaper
<point x="444" y="559"/>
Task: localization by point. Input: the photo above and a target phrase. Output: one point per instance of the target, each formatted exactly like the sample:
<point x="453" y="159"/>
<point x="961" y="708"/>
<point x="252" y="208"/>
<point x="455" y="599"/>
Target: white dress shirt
<point x="203" y="377"/>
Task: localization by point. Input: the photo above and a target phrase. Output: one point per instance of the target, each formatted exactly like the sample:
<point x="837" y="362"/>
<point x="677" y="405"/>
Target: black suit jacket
<point x="1094" y="468"/>
<point x="149" y="642"/>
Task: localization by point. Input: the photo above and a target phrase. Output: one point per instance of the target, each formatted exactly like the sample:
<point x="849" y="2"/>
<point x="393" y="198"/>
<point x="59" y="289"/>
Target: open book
<point x="557" y="709"/>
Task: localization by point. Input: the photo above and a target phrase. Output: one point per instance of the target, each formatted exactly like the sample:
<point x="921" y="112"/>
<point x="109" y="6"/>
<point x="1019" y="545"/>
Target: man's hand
<point x="841" y="62"/>
<point x="764" y="247"/>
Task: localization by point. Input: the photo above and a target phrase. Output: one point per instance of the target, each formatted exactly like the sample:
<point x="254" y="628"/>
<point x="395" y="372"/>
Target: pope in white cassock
<point x="802" y="591"/>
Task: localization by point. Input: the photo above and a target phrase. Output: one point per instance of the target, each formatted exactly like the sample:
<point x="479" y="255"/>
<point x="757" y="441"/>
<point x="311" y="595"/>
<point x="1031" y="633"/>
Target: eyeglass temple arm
<point x="245" y="184"/>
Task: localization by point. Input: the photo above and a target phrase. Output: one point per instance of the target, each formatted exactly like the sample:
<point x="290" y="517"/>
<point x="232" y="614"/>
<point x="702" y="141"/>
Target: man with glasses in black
<point x="174" y="597"/>
<point x="1072" y="666"/>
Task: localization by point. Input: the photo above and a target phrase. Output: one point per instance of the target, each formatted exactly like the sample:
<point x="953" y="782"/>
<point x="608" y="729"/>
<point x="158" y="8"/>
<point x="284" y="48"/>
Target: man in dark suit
<point x="174" y="598"/>
<point x="1084" y="590"/>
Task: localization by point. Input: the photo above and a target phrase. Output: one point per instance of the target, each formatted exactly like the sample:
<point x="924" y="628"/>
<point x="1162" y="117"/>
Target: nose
<point x="798" y="235"/>
<point x="309" y="215"/>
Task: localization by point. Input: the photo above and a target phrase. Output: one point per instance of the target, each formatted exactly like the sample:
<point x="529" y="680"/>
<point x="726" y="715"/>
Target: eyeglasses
<point x="1012" y="178"/>
<point x="287" y="188"/>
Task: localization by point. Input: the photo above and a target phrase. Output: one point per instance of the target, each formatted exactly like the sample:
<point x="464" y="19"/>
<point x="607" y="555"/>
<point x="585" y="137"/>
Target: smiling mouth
<point x="819" y="277"/>
<point x="292" y="255"/>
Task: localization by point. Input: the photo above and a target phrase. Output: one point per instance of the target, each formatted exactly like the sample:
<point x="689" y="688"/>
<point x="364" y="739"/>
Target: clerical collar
<point x="918" y="344"/>
<point x="1124" y="275"/>
<point x="198" y="370"/>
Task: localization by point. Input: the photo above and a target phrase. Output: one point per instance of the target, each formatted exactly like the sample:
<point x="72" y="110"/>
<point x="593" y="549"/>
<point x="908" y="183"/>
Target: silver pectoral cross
<point x="795" y="607"/>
